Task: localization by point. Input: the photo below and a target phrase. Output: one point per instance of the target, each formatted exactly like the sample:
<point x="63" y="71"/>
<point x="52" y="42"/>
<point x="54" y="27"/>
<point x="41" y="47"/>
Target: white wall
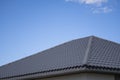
<point x="83" y="76"/>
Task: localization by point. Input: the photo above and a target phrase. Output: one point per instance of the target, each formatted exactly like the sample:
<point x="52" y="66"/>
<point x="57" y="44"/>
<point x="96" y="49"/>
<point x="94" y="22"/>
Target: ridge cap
<point x="87" y="51"/>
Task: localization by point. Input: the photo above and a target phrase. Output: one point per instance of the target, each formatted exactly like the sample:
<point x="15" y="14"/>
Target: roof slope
<point x="85" y="54"/>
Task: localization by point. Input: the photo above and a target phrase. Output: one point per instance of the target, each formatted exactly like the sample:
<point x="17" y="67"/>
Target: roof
<point x="89" y="54"/>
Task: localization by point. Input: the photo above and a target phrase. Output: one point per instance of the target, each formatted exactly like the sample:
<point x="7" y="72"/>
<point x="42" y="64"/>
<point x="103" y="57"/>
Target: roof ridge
<point x="87" y="50"/>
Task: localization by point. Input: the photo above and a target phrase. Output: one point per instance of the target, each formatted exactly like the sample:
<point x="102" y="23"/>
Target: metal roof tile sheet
<point x="90" y="53"/>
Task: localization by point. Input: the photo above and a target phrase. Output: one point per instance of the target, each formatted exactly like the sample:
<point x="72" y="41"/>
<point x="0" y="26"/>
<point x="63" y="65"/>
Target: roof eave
<point x="65" y="71"/>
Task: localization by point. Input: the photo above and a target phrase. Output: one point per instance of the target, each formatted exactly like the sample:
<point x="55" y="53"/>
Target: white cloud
<point x="102" y="10"/>
<point x="95" y="5"/>
<point x="96" y="2"/>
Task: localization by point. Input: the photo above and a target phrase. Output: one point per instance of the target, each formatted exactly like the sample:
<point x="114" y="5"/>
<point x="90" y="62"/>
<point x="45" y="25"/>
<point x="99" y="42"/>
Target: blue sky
<point x="31" y="26"/>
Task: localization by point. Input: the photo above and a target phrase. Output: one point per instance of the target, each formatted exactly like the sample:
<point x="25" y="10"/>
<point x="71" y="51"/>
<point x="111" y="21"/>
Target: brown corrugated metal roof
<point x="85" y="54"/>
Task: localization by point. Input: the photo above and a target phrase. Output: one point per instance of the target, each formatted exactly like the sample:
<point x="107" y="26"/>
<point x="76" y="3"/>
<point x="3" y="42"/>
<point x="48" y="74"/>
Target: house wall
<point x="83" y="76"/>
<point x="117" y="77"/>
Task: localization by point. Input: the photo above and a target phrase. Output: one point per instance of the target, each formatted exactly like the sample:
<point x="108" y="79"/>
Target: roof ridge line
<point x="87" y="50"/>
